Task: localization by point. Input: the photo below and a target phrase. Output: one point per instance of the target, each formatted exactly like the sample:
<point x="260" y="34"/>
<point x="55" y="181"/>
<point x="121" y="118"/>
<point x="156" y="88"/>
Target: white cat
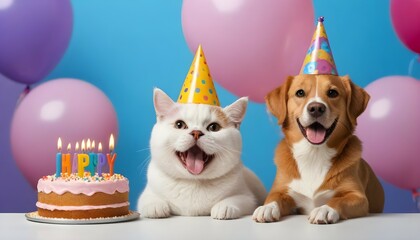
<point x="195" y="166"/>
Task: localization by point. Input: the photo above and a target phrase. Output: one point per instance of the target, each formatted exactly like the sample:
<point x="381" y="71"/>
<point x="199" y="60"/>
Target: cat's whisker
<point x="225" y="149"/>
<point x="167" y="148"/>
<point x="141" y="168"/>
<point x="144" y="149"/>
<point x="143" y="165"/>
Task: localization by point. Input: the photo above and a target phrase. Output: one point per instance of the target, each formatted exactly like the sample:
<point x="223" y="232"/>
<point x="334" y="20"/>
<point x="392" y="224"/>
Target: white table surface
<point x="381" y="226"/>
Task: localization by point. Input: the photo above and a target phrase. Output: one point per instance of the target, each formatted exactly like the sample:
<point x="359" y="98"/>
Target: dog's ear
<point x="276" y="101"/>
<point x="357" y="99"/>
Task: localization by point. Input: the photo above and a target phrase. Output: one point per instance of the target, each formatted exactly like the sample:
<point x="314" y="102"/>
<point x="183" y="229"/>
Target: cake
<point x="73" y="197"/>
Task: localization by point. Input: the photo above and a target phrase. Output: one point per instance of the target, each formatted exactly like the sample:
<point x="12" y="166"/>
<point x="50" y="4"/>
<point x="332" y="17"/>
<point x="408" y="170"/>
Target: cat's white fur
<point x="225" y="189"/>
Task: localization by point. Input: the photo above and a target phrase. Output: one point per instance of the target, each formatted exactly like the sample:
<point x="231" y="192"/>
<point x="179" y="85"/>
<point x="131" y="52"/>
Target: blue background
<point x="126" y="48"/>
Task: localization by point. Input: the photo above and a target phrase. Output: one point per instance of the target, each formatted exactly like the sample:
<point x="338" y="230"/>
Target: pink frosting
<point x="60" y="186"/>
<point x="75" y="208"/>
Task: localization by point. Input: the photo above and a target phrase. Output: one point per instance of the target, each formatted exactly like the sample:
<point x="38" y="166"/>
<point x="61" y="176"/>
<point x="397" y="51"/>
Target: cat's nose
<point x="196" y="134"/>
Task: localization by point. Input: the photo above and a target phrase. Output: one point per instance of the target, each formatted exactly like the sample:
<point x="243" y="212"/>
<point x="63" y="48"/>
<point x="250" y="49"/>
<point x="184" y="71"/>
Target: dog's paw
<point x="158" y="209"/>
<point x="223" y="211"/>
<point x="267" y="213"/>
<point x="323" y="215"/>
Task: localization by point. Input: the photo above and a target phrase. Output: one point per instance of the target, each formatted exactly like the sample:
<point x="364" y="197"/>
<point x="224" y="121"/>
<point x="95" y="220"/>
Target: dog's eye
<point x="179" y="124"/>
<point x="214" y="127"/>
<point x="300" y="93"/>
<point x="332" y="93"/>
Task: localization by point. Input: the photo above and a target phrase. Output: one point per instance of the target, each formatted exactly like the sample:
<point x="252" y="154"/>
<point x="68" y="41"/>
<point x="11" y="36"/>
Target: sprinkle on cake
<point x="86" y="178"/>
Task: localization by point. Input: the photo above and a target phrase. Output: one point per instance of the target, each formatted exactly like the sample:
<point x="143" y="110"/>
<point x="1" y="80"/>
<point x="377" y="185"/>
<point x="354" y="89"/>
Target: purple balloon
<point x="250" y="46"/>
<point x="34" y="36"/>
<point x="389" y="130"/>
<point x="68" y="108"/>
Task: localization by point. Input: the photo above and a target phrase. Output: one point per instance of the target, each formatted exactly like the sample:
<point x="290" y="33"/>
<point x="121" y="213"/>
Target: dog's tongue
<point x="195" y="161"/>
<point x="315" y="135"/>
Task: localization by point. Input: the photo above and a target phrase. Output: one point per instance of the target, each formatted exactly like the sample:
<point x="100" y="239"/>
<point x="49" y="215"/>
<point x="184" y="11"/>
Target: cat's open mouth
<point x="194" y="159"/>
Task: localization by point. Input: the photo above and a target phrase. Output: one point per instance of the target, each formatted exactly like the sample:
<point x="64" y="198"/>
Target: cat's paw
<point x="323" y="215"/>
<point x="267" y="213"/>
<point x="155" y="210"/>
<point x="223" y="211"/>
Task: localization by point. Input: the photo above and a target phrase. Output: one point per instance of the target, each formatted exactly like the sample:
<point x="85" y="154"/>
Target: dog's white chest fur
<point x="313" y="163"/>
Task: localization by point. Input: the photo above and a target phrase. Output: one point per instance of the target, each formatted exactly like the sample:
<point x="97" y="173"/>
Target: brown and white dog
<point x="320" y="170"/>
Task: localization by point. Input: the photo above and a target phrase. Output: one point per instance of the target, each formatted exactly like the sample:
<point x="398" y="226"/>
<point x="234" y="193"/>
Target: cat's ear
<point x="236" y="111"/>
<point x="163" y="103"/>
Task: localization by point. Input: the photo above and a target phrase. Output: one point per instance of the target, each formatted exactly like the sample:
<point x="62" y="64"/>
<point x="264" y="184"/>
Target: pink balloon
<point x="68" y="108"/>
<point x="389" y="130"/>
<point x="405" y="17"/>
<point x="251" y="46"/>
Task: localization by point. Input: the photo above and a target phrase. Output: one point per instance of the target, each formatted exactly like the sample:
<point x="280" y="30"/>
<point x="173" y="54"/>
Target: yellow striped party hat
<point x="319" y="58"/>
<point x="198" y="86"/>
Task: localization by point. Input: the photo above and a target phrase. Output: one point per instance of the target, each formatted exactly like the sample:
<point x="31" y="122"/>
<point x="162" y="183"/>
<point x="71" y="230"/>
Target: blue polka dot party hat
<point x="198" y="86"/>
<point x="319" y="58"/>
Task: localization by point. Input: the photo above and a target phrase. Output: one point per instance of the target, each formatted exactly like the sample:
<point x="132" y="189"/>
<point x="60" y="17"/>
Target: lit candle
<point x="82" y="160"/>
<point x="66" y="161"/>
<point x="95" y="157"/>
<point x="88" y="145"/>
<point x="75" y="157"/>
<point x="100" y="159"/>
<point x="92" y="157"/>
<point x="111" y="156"/>
<point x="58" y="159"/>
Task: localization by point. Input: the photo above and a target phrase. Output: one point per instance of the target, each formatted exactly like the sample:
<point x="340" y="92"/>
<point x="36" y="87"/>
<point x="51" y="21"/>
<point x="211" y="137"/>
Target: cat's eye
<point x="179" y="124"/>
<point x="300" y="93"/>
<point x="332" y="93"/>
<point x="213" y="127"/>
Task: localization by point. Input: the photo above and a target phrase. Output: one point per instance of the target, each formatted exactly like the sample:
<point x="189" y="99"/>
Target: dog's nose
<point x="196" y="134"/>
<point x="316" y="109"/>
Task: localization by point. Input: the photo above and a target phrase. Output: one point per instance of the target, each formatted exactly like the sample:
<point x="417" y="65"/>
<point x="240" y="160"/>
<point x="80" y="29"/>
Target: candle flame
<point x="111" y="143"/>
<point x="77" y="146"/>
<point x="100" y="147"/>
<point x="88" y="144"/>
<point x="93" y="145"/>
<point x="83" y="145"/>
<point x="69" y="147"/>
<point x="59" y="144"/>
